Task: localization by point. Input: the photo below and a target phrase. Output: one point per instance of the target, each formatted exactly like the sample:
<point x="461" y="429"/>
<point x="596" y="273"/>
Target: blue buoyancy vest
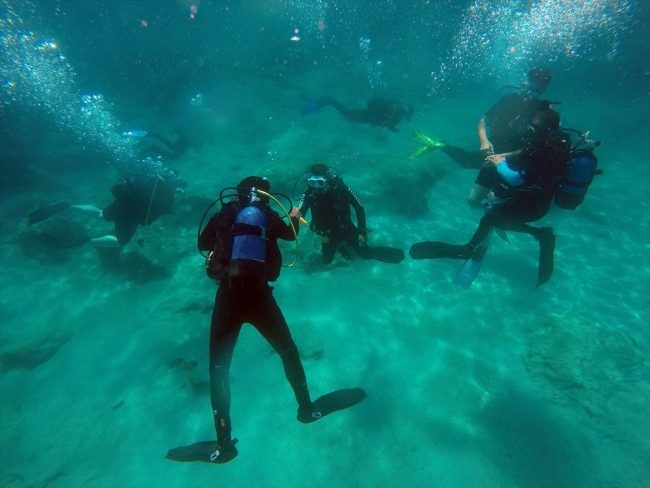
<point x="582" y="169"/>
<point x="247" y="267"/>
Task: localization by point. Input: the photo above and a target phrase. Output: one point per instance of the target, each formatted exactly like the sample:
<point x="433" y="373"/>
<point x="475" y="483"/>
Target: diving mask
<point x="318" y="183"/>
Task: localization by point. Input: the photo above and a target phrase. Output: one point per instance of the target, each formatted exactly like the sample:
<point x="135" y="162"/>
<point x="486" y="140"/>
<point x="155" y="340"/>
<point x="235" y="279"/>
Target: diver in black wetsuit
<point x="194" y="131"/>
<point x="380" y="112"/>
<point x="524" y="194"/>
<point x="139" y="200"/>
<point x="329" y="200"/>
<point x="245" y="256"/>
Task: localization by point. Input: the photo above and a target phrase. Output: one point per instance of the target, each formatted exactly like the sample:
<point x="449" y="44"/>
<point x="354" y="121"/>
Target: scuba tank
<point x="582" y="169"/>
<point x="247" y="268"/>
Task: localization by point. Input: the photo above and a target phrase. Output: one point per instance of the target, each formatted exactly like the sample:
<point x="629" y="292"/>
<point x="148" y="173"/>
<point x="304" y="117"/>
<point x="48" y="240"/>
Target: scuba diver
<point x="139" y="200"/>
<point x="380" y="112"/>
<point x="244" y="257"/>
<point x="329" y="200"/>
<point x="507" y="120"/>
<point x="524" y="194"/>
<point x="194" y="131"/>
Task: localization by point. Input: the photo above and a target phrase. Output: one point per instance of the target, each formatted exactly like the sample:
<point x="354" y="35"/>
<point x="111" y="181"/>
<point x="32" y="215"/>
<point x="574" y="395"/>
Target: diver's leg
<point x="125" y="229"/>
<point x="271" y="324"/>
<point x="224" y="331"/>
<point x="88" y="210"/>
<point x="164" y="140"/>
<point x="476" y="196"/>
<point x="179" y="148"/>
<point x="360" y="116"/>
<point x="105" y="241"/>
<point x="487" y="177"/>
<point x="466" y="159"/>
<point x="328" y="249"/>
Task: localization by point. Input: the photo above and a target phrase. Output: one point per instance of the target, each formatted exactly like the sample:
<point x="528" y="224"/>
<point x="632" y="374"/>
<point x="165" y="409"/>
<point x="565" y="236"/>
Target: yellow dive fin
<point x="426" y="140"/>
<point x="420" y="151"/>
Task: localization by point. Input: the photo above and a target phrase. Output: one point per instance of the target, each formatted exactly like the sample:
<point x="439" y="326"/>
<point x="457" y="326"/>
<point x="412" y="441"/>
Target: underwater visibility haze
<point x="121" y="122"/>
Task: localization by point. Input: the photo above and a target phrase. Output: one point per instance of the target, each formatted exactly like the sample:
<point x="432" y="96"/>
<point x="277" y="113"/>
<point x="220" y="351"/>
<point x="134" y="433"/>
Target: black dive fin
<point x="502" y="234"/>
<point x="45" y="213"/>
<point x="435" y="250"/>
<point x="385" y="254"/>
<point x="333" y="402"/>
<point x="546" y="256"/>
<point x="469" y="270"/>
<point x="203" y="452"/>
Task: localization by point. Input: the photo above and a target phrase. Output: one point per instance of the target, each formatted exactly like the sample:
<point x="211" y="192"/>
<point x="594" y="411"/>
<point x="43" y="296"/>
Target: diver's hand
<point x="295" y="213"/>
<point x="362" y="240"/>
<point x="487" y="146"/>
<point x="494" y="159"/>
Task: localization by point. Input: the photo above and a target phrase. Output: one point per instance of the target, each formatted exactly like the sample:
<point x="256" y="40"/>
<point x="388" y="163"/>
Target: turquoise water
<point x="103" y="356"/>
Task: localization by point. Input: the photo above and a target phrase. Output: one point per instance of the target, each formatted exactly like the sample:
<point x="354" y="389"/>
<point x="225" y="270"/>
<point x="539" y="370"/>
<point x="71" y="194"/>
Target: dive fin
<point x="332" y="402"/>
<point x="204" y="452"/>
<point x="45" y="213"/>
<point x="546" y="256"/>
<point x="317" y="105"/>
<point x="502" y="234"/>
<point x="469" y="270"/>
<point x="419" y="151"/>
<point x="426" y="140"/>
<point x="436" y="250"/>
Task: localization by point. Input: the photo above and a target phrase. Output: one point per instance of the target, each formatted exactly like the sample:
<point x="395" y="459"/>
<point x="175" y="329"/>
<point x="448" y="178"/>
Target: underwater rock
<point x="316" y="355"/>
<point x="140" y="269"/>
<point x="33" y="353"/>
<point x="588" y="363"/>
<point x="136" y="267"/>
<point x="197" y="377"/>
<point x="182" y="364"/>
<point x="406" y="197"/>
<point x="45" y="241"/>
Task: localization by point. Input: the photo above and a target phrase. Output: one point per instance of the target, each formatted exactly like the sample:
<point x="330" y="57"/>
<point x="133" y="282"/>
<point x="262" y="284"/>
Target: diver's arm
<point x="283" y="230"/>
<point x="305" y="203"/>
<point x="359" y="210"/>
<point x="208" y="236"/>
<point x="513" y="178"/>
<point x="482" y="134"/>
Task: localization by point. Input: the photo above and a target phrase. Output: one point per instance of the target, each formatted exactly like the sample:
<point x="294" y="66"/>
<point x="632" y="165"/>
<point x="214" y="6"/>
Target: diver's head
<point x="319" y="179"/>
<point x="245" y="187"/>
<point x="544" y="123"/>
<point x="537" y="81"/>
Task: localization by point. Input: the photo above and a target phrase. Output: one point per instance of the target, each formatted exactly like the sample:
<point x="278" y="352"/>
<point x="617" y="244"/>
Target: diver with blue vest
<point x="244" y="257"/>
<point x="502" y="130"/>
<point x="524" y="194"/>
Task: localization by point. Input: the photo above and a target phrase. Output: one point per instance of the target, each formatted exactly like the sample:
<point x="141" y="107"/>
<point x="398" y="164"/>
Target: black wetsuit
<point x="331" y="219"/>
<point x="380" y="112"/>
<point x="542" y="166"/>
<point x="508" y="120"/>
<point x="194" y="132"/>
<point x="257" y="306"/>
<point x="139" y="200"/>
